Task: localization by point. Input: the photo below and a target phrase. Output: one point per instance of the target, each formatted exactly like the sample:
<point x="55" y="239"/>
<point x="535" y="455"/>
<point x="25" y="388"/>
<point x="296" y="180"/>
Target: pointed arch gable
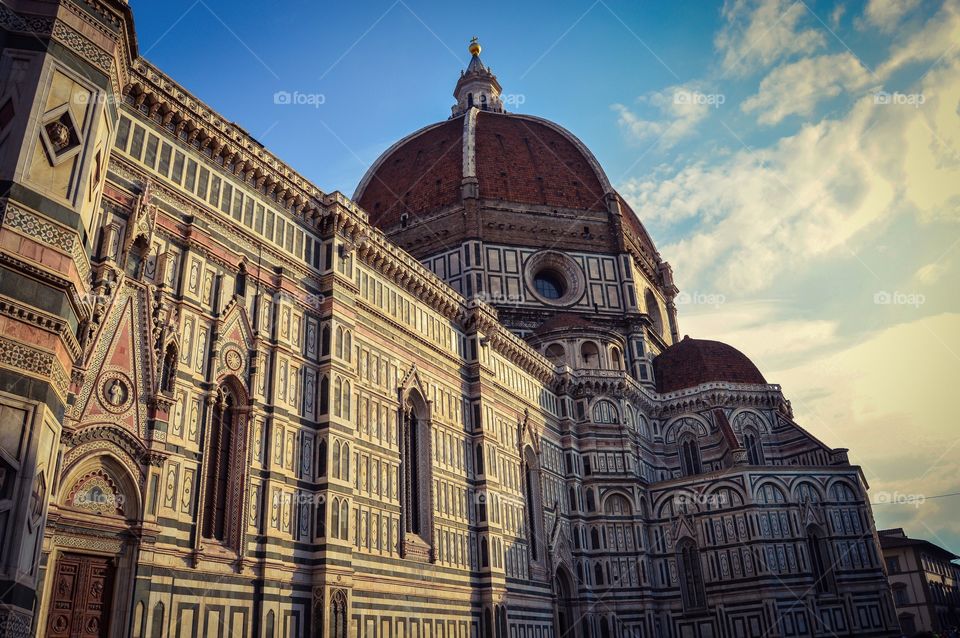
<point x="686" y="423"/>
<point x="121" y="489"/>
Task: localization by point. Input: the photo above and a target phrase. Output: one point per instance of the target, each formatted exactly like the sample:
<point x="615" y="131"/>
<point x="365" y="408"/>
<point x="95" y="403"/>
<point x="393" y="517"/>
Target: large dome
<point x="514" y="158"/>
<point x="499" y="177"/>
<point x="691" y="362"/>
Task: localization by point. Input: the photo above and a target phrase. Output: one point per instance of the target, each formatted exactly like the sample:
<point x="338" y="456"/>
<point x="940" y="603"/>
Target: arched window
<point x="338" y="397"/>
<point x="595" y="539"/>
<point x="479" y="458"/>
<point x="346" y="400"/>
<point x="591" y="501"/>
<point x="324" y="395"/>
<point x="484" y="553"/>
<point x="322" y="458"/>
<point x="168" y="375"/>
<point x="691" y="578"/>
<point x="271" y="624"/>
<point x="347" y="345"/>
<point x="325" y="340"/>
<point x="751" y="441"/>
<point x="590" y="355"/>
<point x="156" y="625"/>
<point x="820" y="566"/>
<point x="415" y="462"/>
<point x="338" y="614"/>
<point x="616" y="361"/>
<point x="345" y="520"/>
<point x="653" y="311"/>
<point x="240" y="285"/>
<point x="556" y="353"/>
<point x="598" y="574"/>
<point x="335" y="464"/>
<point x="335" y="518"/>
<point x="605" y="412"/>
<point x="322" y="520"/>
<point x="469" y="100"/>
<point x="344" y="468"/>
<point x="221" y="470"/>
<point x="339" y="349"/>
<point x="531" y="472"/>
<point x="689" y="456"/>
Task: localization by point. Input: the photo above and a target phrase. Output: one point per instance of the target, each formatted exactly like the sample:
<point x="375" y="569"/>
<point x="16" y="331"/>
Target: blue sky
<point x="797" y="162"/>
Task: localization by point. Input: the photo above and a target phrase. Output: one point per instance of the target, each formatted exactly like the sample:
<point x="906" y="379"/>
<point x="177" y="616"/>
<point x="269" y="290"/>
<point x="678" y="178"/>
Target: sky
<point x="796" y="161"/>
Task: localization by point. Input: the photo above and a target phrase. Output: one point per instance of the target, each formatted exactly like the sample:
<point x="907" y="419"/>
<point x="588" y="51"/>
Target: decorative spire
<point x="477" y="86"/>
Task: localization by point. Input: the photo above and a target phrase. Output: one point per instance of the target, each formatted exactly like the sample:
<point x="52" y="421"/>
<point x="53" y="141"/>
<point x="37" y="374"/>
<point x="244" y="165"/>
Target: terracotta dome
<point x="514" y="158"/>
<point x="694" y="361"/>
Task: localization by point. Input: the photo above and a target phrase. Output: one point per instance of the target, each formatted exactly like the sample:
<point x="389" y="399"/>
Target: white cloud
<point x="796" y="88"/>
<point x="930" y="274"/>
<point x="680" y="108"/>
<point x="938" y="39"/>
<point x="759" y="33"/>
<point x="886" y="14"/>
<point x="760" y="213"/>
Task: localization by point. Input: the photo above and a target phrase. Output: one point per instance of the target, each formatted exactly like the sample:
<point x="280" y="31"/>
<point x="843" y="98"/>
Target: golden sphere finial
<point x="474" y="46"/>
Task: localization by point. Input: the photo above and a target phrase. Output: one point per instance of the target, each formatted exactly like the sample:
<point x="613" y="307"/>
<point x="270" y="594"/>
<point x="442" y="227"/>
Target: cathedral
<point x="457" y="404"/>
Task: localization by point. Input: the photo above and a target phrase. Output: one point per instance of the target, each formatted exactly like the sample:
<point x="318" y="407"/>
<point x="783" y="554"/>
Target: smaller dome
<point x="691" y="362"/>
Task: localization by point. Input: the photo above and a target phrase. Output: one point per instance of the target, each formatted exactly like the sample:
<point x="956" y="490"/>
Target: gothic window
<point x="339" y="350"/>
<point x="345" y="519"/>
<point x="689" y="452"/>
<point x="415" y="464"/>
<point x="338" y="614"/>
<point x="325" y="340"/>
<point x="590" y="355"/>
<point x="223" y="470"/>
<point x="479" y="458"/>
<point x="594" y="539"/>
<point x="533" y="497"/>
<point x="344" y="470"/>
<point x="653" y="311"/>
<point x="591" y="501"/>
<point x="168" y="373"/>
<point x="346" y="400"/>
<point x="598" y="574"/>
<point x="820" y="566"/>
<point x="322" y="459"/>
<point x="616" y="361"/>
<point x="322" y="520"/>
<point x="605" y="412"/>
<point x="156" y="627"/>
<point x="691" y="578"/>
<point x="751" y="441"/>
<point x="324" y="395"/>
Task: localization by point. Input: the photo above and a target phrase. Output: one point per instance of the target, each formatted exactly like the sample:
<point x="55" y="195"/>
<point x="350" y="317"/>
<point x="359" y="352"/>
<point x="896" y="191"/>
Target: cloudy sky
<point x="798" y="162"/>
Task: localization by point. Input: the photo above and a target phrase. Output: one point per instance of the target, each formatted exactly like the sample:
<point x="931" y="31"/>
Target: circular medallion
<point x="233" y="359"/>
<point x="116" y="392"/>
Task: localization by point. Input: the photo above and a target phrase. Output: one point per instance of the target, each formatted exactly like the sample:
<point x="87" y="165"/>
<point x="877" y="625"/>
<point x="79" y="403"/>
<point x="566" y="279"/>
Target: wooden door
<point x="80" y="598"/>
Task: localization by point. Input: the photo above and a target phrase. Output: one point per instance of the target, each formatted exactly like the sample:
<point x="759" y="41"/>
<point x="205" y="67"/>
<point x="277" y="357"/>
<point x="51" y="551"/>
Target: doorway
<point x="80" y="597"/>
